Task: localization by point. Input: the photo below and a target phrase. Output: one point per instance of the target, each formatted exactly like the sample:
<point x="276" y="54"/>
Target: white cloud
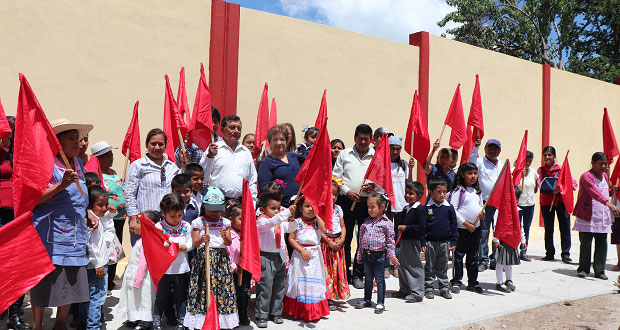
<point x="388" y="19"/>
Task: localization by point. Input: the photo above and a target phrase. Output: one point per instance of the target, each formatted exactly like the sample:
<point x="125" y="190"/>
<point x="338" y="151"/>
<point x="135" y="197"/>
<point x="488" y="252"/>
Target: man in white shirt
<point x="489" y="168"/>
<point x="227" y="162"/>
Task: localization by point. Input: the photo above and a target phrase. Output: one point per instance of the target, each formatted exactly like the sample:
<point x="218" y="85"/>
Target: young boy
<point x="196" y="173"/>
<point x="411" y="231"/>
<point x="182" y="186"/>
<point x="92" y="179"/>
<point x="441" y="236"/>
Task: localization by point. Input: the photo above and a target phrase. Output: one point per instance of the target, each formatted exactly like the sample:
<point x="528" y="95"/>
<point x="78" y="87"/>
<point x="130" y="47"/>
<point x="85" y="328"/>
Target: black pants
<point x="563" y="223"/>
<point x="352" y="218"/>
<point x="467" y="245"/>
<point x="585" y="252"/>
<point x="118" y="227"/>
<point x="180" y="282"/>
<point x="243" y="294"/>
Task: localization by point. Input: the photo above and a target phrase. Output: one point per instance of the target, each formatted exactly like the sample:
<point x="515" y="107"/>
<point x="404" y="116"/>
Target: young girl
<point x="222" y="282"/>
<point x="137" y="291"/>
<point x="177" y="275"/>
<point x="376" y="241"/>
<point x="305" y="290"/>
<point x="310" y="134"/>
<point x="507" y="256"/>
<point x="333" y="254"/>
<point x="233" y="213"/>
<point x="467" y="203"/>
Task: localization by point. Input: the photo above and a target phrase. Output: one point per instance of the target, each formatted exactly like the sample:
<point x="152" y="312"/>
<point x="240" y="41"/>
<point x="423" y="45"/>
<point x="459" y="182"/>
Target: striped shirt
<point x="147" y="183"/>
<point x="377" y="235"/>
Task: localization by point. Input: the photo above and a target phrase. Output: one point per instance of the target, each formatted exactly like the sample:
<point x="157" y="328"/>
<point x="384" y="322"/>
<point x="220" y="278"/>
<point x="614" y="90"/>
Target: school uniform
<point x="411" y="269"/>
<point x="468" y="205"/>
<point x="441" y="234"/>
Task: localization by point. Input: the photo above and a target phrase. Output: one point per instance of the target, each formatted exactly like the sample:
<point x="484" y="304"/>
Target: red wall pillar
<point x="546" y="115"/>
<point x="421" y="40"/>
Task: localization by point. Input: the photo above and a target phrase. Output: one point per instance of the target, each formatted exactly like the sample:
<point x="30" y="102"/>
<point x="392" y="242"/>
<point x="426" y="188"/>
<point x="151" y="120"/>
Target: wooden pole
<point x="181" y="139"/>
<point x="552" y="202"/>
<point x="492" y="190"/>
<point x="299" y="191"/>
<point x="208" y="273"/>
<point x="412" y="136"/>
<point x="441" y="135"/>
<point x="64" y="159"/>
<point x="126" y="165"/>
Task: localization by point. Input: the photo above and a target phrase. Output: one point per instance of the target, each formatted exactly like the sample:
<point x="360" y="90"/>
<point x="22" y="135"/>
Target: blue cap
<point x="213" y="199"/>
<point x="495" y="142"/>
<point x="396" y="141"/>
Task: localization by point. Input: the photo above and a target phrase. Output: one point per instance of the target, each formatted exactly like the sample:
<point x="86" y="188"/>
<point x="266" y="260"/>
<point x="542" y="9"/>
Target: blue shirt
<point x="441" y="224"/>
<point x="438" y="172"/>
<point x="271" y="168"/>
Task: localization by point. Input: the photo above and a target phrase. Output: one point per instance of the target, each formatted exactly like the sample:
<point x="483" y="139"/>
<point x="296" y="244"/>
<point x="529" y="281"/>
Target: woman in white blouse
<point x="527" y="201"/>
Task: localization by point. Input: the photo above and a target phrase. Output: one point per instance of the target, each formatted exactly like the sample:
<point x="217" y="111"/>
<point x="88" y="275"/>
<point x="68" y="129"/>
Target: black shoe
<point x="363" y="304"/>
<point x="16" y="322"/>
<point x="510" y="285"/>
<point x="582" y="274"/>
<point x="548" y="258"/>
<point x="412" y="298"/>
<point x="502" y="288"/>
<point x="567" y="260"/>
<point x="429" y="295"/>
<point x="524" y="257"/>
<point x="358" y="283"/>
<point x="277" y="319"/>
<point x="142" y="326"/>
<point x="399" y="295"/>
<point x="131" y="324"/>
<point x="475" y="288"/>
<point x="156" y="327"/>
<point x="261" y="323"/>
<point x="445" y="294"/>
<point x="456" y="289"/>
<point x="602" y="276"/>
<point x="379" y="309"/>
<point x="244" y="322"/>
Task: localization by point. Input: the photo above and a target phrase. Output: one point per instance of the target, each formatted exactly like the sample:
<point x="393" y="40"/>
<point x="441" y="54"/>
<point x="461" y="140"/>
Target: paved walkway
<point x="538" y="283"/>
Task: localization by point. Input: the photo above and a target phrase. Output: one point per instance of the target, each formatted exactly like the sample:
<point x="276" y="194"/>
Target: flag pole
<point x="552" y="202"/>
<point x="442" y="130"/>
<point x="208" y="273"/>
<point x="64" y="158"/>
<point x="360" y="191"/>
<point x="492" y="190"/>
<point x="126" y="165"/>
<point x="181" y="139"/>
<point x="299" y="191"/>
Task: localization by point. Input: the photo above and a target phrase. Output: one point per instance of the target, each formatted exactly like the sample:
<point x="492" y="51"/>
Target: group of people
<point x="306" y="268"/>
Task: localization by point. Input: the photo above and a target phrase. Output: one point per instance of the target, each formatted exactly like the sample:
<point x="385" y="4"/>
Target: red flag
<point x="517" y="173"/>
<point x="315" y="177"/>
<point x="35" y="147"/>
<point x="262" y="121"/>
<point x="182" y="97"/>
<point x="417" y="127"/>
<point x="212" y="320"/>
<point x="250" y="251"/>
<point x="172" y="122"/>
<point x="201" y="123"/>
<point x="380" y="168"/>
<point x="322" y="116"/>
<point x="5" y="128"/>
<point x="468" y="146"/>
<point x="475" y="113"/>
<point x="158" y="257"/>
<point x="273" y="116"/>
<point x="456" y="120"/>
<point x="131" y="143"/>
<point x="565" y="182"/>
<point x="21" y="268"/>
<point x="610" y="147"/>
<point x="508" y="226"/>
<point x="615" y="175"/>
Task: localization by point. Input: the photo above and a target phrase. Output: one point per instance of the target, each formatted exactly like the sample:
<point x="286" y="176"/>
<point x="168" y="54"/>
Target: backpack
<point x="548" y="184"/>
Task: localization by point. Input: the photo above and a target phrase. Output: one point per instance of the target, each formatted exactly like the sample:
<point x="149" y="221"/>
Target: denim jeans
<point x="526" y="214"/>
<point x="90" y="312"/>
<point x="373" y="271"/>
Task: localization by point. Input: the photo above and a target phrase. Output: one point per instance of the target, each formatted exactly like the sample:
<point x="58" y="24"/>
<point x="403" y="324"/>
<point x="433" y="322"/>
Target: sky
<point x="387" y="19"/>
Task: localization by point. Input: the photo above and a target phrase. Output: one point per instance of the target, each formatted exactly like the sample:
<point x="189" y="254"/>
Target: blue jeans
<point x="485" y="230"/>
<point x="373" y="270"/>
<point x="90" y="312"/>
<point x="526" y="214"/>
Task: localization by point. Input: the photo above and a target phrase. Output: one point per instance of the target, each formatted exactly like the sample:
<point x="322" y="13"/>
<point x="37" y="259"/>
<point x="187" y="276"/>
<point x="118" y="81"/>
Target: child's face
<point x="100" y="206"/>
<point x="528" y="161"/>
<point x="198" y="180"/>
<point x="444" y="159"/>
<point x="334" y="193"/>
<point x="272" y="208"/>
<point x="135" y="227"/>
<point x="395" y="152"/>
<point x="411" y="196"/>
<point x="173" y="217"/>
<point x="307" y="212"/>
<point x="310" y="139"/>
<point x="212" y="215"/>
<point x="184" y="191"/>
<point x="374" y="209"/>
<point x="235" y="222"/>
<point x="470" y="177"/>
<point x="439" y="194"/>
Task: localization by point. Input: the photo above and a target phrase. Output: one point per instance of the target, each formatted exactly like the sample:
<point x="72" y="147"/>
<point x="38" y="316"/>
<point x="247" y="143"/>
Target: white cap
<point x="101" y="148"/>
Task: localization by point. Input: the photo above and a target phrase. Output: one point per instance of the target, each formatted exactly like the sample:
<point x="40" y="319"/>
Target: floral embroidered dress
<point x="335" y="266"/>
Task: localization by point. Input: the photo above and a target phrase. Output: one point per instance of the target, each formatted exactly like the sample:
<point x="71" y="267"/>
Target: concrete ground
<point x="538" y="283"/>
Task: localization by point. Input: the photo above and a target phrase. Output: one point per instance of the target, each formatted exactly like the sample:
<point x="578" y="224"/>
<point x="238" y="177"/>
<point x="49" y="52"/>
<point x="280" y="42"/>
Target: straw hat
<point x="63" y="125"/>
<point x="101" y="148"/>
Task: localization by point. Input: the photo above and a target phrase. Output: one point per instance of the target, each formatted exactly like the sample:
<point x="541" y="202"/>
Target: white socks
<point x="499" y="273"/>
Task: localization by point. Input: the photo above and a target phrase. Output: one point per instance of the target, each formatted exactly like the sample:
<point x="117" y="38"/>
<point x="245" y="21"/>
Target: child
<point x="98" y="241"/>
<point x="177" y="275"/>
<point x="376" y="241"/>
<point x="506" y="257"/>
<point x="333" y="254"/>
<point x="137" y="291"/>
<point x="197" y="174"/>
<point x="182" y="186"/>
<point x="467" y="200"/>
<point x="305" y="289"/>
<point x="303" y="149"/>
<point x="92" y="179"/>
<point x="411" y="231"/>
<point x="233" y="214"/>
<point x="221" y="281"/>
<point x="273" y="257"/>
<point x="441" y="236"/>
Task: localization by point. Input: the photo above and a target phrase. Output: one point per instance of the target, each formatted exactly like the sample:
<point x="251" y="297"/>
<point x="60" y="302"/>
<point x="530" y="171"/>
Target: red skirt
<point x="336" y="284"/>
<point x="307" y="312"/>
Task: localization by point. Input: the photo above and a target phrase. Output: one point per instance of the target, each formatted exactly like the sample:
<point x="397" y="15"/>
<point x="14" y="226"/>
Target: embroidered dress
<point x="137" y="291"/>
<point x="222" y="282"/>
<point x="337" y="287"/>
<point x="305" y="289"/>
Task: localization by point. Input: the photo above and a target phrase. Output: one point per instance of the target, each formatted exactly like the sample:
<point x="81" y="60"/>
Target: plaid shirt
<point x="376" y="235"/>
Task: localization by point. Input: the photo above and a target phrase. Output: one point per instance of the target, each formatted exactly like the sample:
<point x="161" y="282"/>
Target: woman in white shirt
<point x="527" y="200"/>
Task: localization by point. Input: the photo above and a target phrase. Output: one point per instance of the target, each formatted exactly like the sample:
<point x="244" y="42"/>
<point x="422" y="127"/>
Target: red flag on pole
<point x="315" y="177"/>
<point x="5" y="128"/>
<point x="131" y="143"/>
<point x="610" y="147"/>
<point x="21" y="268"/>
<point x="322" y="116"/>
<point x="475" y="118"/>
<point x="456" y="120"/>
<point x="182" y="97"/>
<point x="158" y="257"/>
<point x="250" y="251"/>
<point x="212" y="320"/>
<point x="517" y="173"/>
<point x="201" y="123"/>
<point x="35" y="147"/>
<point x="565" y="183"/>
<point x="273" y="114"/>
<point x="417" y="138"/>
<point x="468" y="146"/>
<point x="508" y="225"/>
<point x="615" y="175"/>
<point x="262" y="121"/>
<point x="380" y="168"/>
<point x="172" y="122"/>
